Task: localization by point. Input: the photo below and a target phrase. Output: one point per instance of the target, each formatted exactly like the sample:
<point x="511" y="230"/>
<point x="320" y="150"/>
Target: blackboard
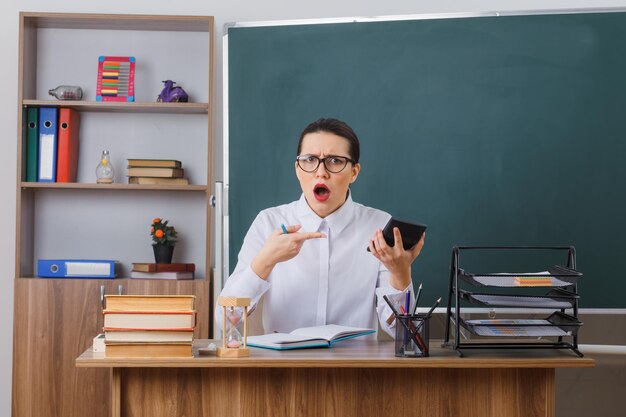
<point x="493" y="130"/>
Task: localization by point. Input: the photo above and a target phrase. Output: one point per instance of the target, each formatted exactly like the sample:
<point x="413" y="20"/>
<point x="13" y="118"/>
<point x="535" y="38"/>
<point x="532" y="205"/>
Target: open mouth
<point x="321" y="192"/>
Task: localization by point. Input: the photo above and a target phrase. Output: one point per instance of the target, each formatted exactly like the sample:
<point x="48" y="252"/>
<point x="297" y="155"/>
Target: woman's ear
<point x="356" y="168"/>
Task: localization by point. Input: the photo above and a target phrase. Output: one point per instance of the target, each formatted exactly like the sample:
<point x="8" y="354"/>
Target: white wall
<point x="224" y="11"/>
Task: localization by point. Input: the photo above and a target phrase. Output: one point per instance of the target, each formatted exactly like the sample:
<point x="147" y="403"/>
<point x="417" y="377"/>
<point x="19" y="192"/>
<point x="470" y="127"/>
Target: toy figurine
<point x="171" y="94"/>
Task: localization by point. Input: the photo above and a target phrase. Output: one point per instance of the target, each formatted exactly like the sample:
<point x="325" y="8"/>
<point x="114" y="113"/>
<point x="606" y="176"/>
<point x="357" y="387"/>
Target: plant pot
<point x="163" y="253"/>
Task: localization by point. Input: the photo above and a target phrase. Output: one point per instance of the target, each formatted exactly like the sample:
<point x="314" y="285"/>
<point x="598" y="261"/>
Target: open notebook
<point x="307" y="337"/>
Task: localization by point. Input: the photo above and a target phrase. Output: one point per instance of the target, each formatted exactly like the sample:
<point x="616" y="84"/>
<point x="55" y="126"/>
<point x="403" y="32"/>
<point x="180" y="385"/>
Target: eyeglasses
<point x="332" y="163"/>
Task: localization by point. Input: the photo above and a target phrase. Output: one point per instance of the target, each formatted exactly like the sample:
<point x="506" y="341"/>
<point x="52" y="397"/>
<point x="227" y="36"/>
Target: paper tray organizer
<point x="560" y="282"/>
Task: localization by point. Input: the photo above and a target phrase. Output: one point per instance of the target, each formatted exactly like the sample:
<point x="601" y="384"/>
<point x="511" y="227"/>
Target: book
<point x="150" y="302"/>
<point x="308" y="337"/>
<point x="156" y="172"/>
<point x="148" y="350"/>
<point x="158" y="181"/>
<point x="143" y="336"/>
<point x="153" y="267"/>
<point x="164" y="163"/>
<point x="161" y="320"/>
<point x="161" y="275"/>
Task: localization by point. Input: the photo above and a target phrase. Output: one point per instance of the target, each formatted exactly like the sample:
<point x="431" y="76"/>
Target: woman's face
<point x="325" y="191"/>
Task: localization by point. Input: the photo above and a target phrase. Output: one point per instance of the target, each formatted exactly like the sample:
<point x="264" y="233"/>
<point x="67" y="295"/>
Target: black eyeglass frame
<point x="323" y="160"/>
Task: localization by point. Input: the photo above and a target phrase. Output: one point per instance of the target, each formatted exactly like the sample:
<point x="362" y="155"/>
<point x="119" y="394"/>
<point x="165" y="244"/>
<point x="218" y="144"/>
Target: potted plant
<point x="164" y="239"/>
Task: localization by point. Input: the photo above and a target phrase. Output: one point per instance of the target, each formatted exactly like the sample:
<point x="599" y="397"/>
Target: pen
<point x="430" y="312"/>
<point x="407" y="302"/>
<point x="405" y="336"/>
<point x="417" y="298"/>
<point x="282" y="226"/>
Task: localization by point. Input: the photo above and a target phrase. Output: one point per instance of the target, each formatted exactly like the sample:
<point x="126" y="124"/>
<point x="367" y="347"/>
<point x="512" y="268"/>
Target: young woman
<point x="316" y="269"/>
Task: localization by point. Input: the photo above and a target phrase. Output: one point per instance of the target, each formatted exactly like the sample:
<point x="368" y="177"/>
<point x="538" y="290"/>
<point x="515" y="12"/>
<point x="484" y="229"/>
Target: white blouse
<point x="333" y="280"/>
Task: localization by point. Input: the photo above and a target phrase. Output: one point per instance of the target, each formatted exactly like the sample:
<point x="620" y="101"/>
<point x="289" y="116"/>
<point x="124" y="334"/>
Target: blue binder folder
<point x="48" y="117"/>
<point x="75" y="268"/>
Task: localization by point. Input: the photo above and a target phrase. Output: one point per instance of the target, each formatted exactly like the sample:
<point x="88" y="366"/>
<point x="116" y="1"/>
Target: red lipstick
<point x="321" y="192"/>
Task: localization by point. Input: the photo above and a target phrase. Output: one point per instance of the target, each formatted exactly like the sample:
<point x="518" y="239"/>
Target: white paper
<point x="517" y="331"/>
<point x="510" y="301"/>
<point x="516" y="327"/>
<point x="509" y="281"/>
<point x="46" y="154"/>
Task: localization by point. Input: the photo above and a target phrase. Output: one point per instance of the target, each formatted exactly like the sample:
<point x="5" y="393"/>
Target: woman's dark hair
<point x="338" y="128"/>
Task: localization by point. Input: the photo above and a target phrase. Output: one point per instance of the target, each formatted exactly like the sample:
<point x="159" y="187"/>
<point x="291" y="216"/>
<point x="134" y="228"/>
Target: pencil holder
<point x="412" y="335"/>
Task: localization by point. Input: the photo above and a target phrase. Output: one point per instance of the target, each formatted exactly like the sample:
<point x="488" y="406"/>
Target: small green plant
<point x="162" y="234"/>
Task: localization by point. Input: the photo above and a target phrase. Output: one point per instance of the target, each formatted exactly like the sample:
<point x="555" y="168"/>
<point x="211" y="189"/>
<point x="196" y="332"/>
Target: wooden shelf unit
<point x="131" y="187"/>
<point x="56" y="319"/>
<point x="120" y="107"/>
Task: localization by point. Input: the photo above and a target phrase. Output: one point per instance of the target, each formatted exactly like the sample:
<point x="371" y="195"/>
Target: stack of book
<point x="156" y="171"/>
<point x="149" y="325"/>
<point x="163" y="271"/>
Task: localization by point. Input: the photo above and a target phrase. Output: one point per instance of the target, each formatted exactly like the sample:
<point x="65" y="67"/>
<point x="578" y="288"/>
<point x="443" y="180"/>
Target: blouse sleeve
<point x="385" y="315"/>
<point x="243" y="282"/>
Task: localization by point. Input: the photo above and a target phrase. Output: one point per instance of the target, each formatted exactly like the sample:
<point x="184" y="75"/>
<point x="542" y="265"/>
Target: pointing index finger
<point x="308" y="235"/>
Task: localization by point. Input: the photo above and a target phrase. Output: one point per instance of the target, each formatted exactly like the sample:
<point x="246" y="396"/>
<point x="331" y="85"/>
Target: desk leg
<point x="116" y="392"/>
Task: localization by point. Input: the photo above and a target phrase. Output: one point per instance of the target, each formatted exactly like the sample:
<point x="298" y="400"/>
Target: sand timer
<point x="235" y="311"/>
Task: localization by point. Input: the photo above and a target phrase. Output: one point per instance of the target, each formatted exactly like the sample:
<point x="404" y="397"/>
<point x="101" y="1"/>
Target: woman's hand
<point x="397" y="260"/>
<point x="280" y="247"/>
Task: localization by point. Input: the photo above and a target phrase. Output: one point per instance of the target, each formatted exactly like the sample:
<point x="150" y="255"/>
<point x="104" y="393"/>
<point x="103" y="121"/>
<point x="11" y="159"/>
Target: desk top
<point x="351" y="354"/>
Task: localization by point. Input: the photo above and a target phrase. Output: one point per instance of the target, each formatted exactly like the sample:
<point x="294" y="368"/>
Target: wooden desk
<point x="354" y="378"/>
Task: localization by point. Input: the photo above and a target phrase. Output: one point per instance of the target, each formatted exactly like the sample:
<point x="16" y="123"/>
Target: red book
<point x="151" y="267"/>
<point x="67" y="151"/>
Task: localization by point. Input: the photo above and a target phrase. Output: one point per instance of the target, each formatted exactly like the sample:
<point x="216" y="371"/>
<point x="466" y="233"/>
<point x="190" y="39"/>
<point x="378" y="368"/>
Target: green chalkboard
<point x="491" y="130"/>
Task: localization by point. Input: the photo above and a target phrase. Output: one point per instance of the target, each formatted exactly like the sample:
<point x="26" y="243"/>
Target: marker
<point x="430" y="312"/>
<point x="282" y="226"/>
<point x="417" y="298"/>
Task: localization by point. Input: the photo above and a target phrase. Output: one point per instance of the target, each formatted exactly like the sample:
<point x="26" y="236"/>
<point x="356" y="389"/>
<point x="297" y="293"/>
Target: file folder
<point x="67" y="149"/>
<point x="32" y="143"/>
<point x="75" y="268"/>
<point x="47" y="144"/>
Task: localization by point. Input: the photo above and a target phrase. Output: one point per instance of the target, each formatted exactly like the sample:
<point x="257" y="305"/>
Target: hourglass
<point x="235" y="310"/>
